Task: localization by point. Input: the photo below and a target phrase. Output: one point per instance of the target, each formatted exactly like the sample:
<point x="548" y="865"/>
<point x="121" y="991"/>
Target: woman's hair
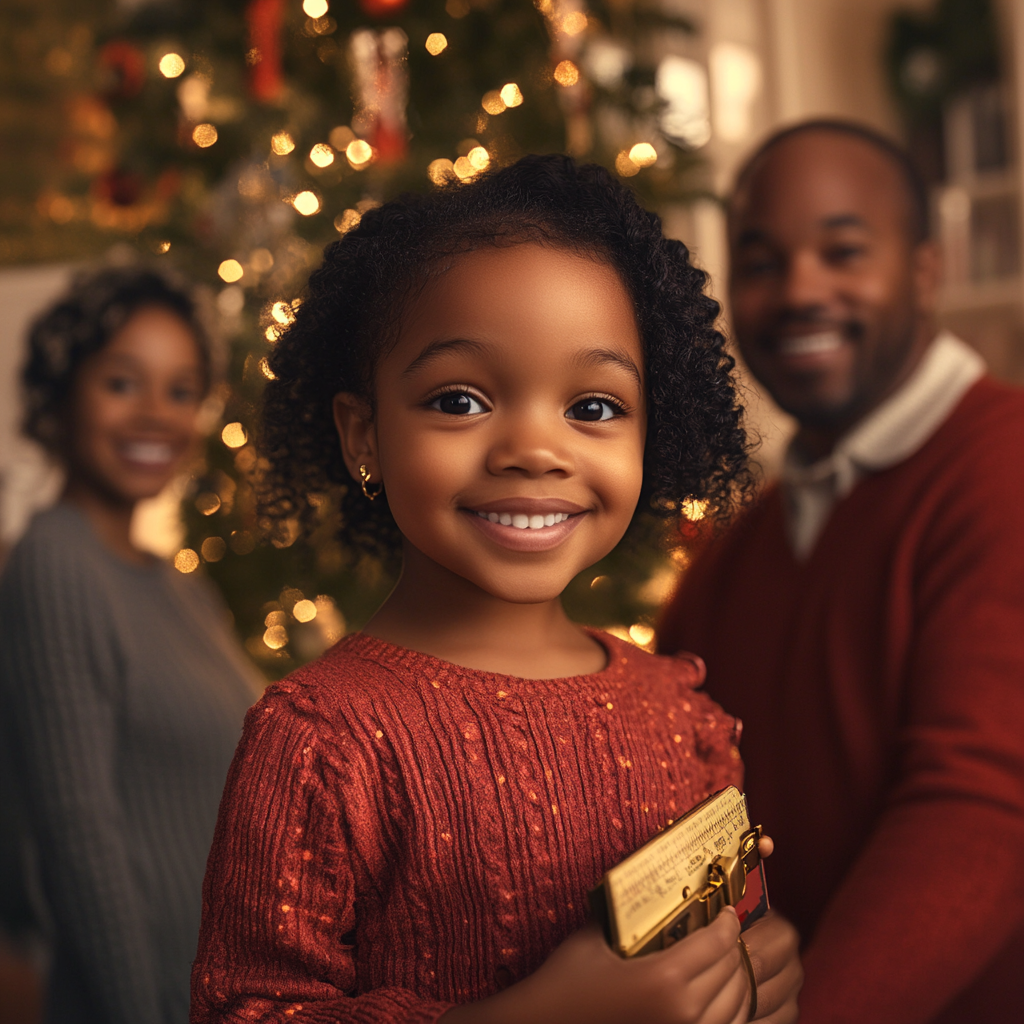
<point x="696" y="447"/>
<point x="93" y="309"/>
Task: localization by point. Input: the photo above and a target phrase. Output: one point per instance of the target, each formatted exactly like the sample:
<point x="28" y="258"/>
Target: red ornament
<point x="126" y="69"/>
<point x="265" y="18"/>
<point x="382" y="8"/>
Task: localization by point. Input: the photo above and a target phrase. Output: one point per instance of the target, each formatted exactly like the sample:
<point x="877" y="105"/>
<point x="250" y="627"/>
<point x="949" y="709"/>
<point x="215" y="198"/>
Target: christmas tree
<point x="235" y="139"/>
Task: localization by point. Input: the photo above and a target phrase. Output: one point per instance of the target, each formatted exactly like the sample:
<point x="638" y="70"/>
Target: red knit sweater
<point x="882" y="686"/>
<point x="399" y="834"/>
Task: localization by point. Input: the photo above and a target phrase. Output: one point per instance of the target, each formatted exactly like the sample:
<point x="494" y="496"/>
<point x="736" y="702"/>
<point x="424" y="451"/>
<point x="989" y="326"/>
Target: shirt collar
<point x="902" y="423"/>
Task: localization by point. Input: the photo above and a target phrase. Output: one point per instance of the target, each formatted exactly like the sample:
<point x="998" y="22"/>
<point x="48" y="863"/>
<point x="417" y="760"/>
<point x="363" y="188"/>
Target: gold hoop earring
<point x="364" y="479"/>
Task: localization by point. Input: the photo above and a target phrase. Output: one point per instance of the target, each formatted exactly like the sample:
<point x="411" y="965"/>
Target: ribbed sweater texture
<point x="122" y="696"/>
<point x="400" y="834"/>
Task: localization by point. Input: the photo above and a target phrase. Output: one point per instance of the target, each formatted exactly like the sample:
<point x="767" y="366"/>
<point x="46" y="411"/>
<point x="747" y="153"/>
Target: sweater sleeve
<point x="59" y="690"/>
<point x="279" y="898"/>
<point x="938" y="889"/>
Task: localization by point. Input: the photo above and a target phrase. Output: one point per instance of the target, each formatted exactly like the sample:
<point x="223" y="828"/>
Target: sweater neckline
<point x="406" y="661"/>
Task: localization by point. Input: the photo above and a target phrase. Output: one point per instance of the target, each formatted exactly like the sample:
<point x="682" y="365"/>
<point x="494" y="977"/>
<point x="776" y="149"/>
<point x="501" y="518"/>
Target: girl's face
<point x="510" y="422"/>
<point x="133" y="412"/>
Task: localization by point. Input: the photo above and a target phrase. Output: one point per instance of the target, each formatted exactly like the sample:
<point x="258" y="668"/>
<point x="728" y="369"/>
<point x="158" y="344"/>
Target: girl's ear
<point x="356" y="432"/>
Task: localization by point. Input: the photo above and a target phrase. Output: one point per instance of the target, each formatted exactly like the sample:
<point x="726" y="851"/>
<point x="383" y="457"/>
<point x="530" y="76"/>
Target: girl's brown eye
<point x="457" y="403"/>
<point x="593" y="410"/>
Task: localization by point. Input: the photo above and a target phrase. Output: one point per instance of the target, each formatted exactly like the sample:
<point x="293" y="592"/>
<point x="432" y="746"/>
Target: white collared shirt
<point x="894" y="431"/>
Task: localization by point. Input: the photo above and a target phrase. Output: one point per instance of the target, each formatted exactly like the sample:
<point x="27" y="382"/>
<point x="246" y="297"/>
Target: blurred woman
<point x="122" y="691"/>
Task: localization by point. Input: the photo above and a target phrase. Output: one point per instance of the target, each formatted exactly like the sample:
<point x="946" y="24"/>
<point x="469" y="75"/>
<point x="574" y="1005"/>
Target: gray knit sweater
<point x="122" y="695"/>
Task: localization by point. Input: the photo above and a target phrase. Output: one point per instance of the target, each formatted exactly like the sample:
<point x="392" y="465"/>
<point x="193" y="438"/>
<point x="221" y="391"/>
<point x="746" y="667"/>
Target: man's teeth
<point x="808" y="344"/>
<point x="151" y="452"/>
<point x="524" y="522"/>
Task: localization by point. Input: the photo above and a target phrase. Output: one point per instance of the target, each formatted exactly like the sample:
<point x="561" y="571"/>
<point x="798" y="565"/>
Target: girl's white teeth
<point x="524" y="522"/>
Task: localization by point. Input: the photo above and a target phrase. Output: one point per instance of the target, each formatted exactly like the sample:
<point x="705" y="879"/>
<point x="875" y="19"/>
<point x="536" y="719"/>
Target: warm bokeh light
<point x="234" y="435"/>
<point x="340" y="137"/>
<point x="641" y="634"/>
<point x="208" y="503"/>
<point x="359" y="153"/>
<point x="230" y="271"/>
<point x="276" y="637"/>
<point x="464" y="169"/>
<point x="261" y="260"/>
<point x="271" y="334"/>
<point x="162" y="247"/>
<point x="347" y="220"/>
<point x="171" y="65"/>
<point x="567" y="74"/>
<point x="282" y="312"/>
<point x="282" y="143"/>
<point x="321" y="155"/>
<point x="266" y="370"/>
<point x="479" y="158"/>
<point x="624" y="166"/>
<point x="213" y="549"/>
<point x="304" y="610"/>
<point x="440" y="171"/>
<point x="493" y="103"/>
<point x="242" y="542"/>
<point x="315" y="8"/>
<point x="510" y="95"/>
<point x="694" y="510"/>
<point x="306" y="203"/>
<point x="436" y="43"/>
<point x="643" y="154"/>
<point x="575" y="23"/>
<point x="204" y="135"/>
<point x="186" y="560"/>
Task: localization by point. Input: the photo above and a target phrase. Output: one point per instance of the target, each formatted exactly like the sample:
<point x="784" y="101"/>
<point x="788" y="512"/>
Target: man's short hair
<point x="916" y="190"/>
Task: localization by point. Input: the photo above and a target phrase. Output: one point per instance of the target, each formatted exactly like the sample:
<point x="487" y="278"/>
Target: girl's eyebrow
<point x="437" y="348"/>
<point x="604" y="356"/>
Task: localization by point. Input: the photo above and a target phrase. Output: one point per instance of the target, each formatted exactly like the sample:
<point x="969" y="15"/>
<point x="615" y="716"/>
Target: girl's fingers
<point x="729" y="1001"/>
<point x="707" y="946"/>
<point x="765" y="847"/>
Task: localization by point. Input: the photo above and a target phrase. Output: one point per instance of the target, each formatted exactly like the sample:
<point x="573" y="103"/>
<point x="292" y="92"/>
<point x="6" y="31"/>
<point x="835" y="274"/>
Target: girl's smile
<point x="525" y="524"/>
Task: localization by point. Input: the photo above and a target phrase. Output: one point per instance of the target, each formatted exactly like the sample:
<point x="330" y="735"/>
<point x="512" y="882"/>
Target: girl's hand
<point x="700" y="980"/>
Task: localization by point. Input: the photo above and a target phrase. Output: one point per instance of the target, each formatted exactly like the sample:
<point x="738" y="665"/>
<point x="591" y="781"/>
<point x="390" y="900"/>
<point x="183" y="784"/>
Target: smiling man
<point x="866" y="617"/>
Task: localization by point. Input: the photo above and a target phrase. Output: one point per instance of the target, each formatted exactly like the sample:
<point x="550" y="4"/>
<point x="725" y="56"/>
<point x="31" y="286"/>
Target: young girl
<point x="516" y="368"/>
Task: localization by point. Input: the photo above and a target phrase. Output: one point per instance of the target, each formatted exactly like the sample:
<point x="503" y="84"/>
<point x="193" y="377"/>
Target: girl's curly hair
<point x="696" y="447"/>
<point x="81" y="322"/>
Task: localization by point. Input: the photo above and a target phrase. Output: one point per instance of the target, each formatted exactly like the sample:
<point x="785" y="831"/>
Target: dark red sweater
<point x="882" y="687"/>
<point x="399" y="834"/>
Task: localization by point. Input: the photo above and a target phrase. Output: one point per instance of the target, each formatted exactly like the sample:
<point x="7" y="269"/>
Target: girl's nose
<point x="529" y="446"/>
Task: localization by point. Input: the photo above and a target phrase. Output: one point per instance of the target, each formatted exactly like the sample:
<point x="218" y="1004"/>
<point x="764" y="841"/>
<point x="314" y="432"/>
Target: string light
<point x="230" y="271"/>
<point x="322" y="155"/>
<point x="261" y="260"/>
<point x="510" y="95"/>
<point x="573" y="24"/>
<point x="213" y="549"/>
<point x="266" y="370"/>
<point x="171" y="65"/>
<point x="464" y="169"/>
<point x="208" y="503"/>
<point x="275" y="637"/>
<point x="479" y="158"/>
<point x="234" y="435"/>
<point x="493" y="103"/>
<point x="436" y="43"/>
<point x="694" y="510"/>
<point x="162" y="247"/>
<point x="347" y="220"/>
<point x="359" y="153"/>
<point x="440" y="171"/>
<point x="306" y="203"/>
<point x="204" y="135"/>
<point x="282" y="143"/>
<point x="271" y="334"/>
<point x="640" y="634"/>
<point x="643" y="154"/>
<point x="282" y="312"/>
<point x="340" y="137"/>
<point x="624" y="166"/>
<point x="315" y="8"/>
<point x="186" y="560"/>
<point x="567" y="74"/>
<point x="304" y="610"/>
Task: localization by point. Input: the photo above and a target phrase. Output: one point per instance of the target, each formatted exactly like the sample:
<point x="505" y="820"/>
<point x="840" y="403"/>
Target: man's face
<point x="830" y="296"/>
